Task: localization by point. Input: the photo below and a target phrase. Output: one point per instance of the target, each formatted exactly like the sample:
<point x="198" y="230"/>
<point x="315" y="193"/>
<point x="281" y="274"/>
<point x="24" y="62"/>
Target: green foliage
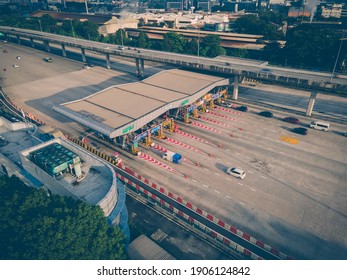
<point x="35" y="226"/>
<point x="173" y="42"/>
<point x="250" y="24"/>
<point x="210" y="46"/>
<point x="121" y="38"/>
<point x="143" y="41"/>
<point x="313" y="47"/>
<point x="243" y="53"/>
<point x="192" y="46"/>
<point x="87" y="30"/>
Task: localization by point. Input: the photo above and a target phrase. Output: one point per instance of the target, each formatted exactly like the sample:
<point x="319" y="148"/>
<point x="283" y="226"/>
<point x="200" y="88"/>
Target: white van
<point x="320" y="125"/>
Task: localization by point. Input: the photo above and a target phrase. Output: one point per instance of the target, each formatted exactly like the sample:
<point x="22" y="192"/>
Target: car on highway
<point x="5" y="51"/>
<point x="266" y="114"/>
<point x="320" y="125"/>
<point x="105" y="47"/>
<point x="18" y="57"/>
<point x="242" y="108"/>
<point x="236" y="172"/>
<point x="122" y="48"/>
<point x="48" y="59"/>
<point x="86" y="66"/>
<point x="15" y="65"/>
<point x="300" y="130"/>
<point x="291" y="120"/>
<point x="266" y="70"/>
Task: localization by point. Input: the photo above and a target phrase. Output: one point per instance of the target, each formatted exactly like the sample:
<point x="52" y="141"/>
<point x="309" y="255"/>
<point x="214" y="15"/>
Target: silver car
<point x="236" y="172"/>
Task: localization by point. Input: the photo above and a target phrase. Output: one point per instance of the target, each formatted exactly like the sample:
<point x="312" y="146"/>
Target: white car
<point x="15" y="65"/>
<point x="18" y="57"/>
<point x="236" y="172"/>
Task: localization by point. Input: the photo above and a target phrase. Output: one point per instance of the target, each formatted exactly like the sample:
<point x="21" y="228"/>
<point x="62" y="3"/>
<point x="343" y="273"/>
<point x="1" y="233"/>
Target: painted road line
<point x="227" y="162"/>
<point x="146" y="221"/>
<point x="218" y="158"/>
<point x="229" y="179"/>
<point x="248" y="157"/>
<point x="250" y="171"/>
<point x="217" y="173"/>
<point x="216" y="191"/>
<point x="263" y="177"/>
<point x="253" y="189"/>
<point x="281" y="153"/>
<point x="271" y="165"/>
<point x="268" y="138"/>
<point x="241" y="203"/>
<point x="207" y="169"/>
<point x="238" y="154"/>
<point x="194" y="180"/>
<point x="206" y="186"/>
<point x="228" y="150"/>
<point x="228" y="197"/>
<point x="240" y="184"/>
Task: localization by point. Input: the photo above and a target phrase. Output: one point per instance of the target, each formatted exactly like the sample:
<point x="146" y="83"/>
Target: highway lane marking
<point x="271" y="165"/>
<point x="227" y="162"/>
<point x="216" y="191"/>
<point x="238" y="154"/>
<point x="228" y="197"/>
<point x="241" y="203"/>
<point x="253" y="189"/>
<point x="218" y="158"/>
<point x="281" y="153"/>
<point x="207" y="169"/>
<point x="146" y="221"/>
<point x="248" y="157"/>
<point x="229" y="179"/>
<point x="263" y="177"/>
<point x="240" y="184"/>
<point x="228" y="150"/>
<point x="217" y="173"/>
<point x="250" y="171"/>
<point x="268" y="138"/>
<point x="206" y="186"/>
<point x="194" y="180"/>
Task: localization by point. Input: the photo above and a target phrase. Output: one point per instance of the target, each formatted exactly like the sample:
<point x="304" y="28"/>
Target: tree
<point x="87" y="30"/>
<point x="313" y="47"/>
<point x="192" y="46"/>
<point x="210" y="46"/>
<point x="250" y="24"/>
<point x="240" y="53"/>
<point x="143" y="41"/>
<point x="36" y="226"/>
<point x="173" y="42"/>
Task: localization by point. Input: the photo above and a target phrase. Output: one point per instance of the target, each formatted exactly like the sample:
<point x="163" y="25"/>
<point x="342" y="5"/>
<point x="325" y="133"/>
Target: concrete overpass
<point x="235" y="68"/>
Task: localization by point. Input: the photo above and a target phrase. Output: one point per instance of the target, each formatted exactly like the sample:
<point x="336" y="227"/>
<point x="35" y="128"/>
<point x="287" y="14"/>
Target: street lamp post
<point x="198" y="45"/>
<point x="337" y="57"/>
<point x="73" y="31"/>
<point x="40" y="26"/>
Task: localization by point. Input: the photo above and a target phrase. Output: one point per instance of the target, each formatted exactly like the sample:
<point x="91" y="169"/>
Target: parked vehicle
<point x="242" y="108"/>
<point x="291" y="120"/>
<point x="320" y="125"/>
<point x="266" y="114"/>
<point x="236" y="172"/>
<point x="172" y="157"/>
<point x="300" y="130"/>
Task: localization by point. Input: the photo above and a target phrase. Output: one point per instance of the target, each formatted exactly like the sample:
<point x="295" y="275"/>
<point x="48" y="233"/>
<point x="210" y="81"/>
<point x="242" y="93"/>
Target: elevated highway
<point x="315" y="81"/>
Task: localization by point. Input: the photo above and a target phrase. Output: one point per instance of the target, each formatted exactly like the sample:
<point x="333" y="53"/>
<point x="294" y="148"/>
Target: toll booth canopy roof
<point x="121" y="109"/>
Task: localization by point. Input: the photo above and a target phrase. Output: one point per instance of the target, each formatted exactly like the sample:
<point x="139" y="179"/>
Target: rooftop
<point x="112" y="110"/>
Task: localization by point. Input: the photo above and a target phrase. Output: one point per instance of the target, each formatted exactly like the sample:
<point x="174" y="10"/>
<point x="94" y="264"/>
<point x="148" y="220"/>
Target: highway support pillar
<point x="140" y="68"/>
<point x="311" y="103"/>
<point x="107" y="56"/>
<point x="236" y="87"/>
<point x="18" y="39"/>
<point x="32" y="42"/>
<point x="46" y="44"/>
<point x="63" y="50"/>
<point x="83" y="53"/>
